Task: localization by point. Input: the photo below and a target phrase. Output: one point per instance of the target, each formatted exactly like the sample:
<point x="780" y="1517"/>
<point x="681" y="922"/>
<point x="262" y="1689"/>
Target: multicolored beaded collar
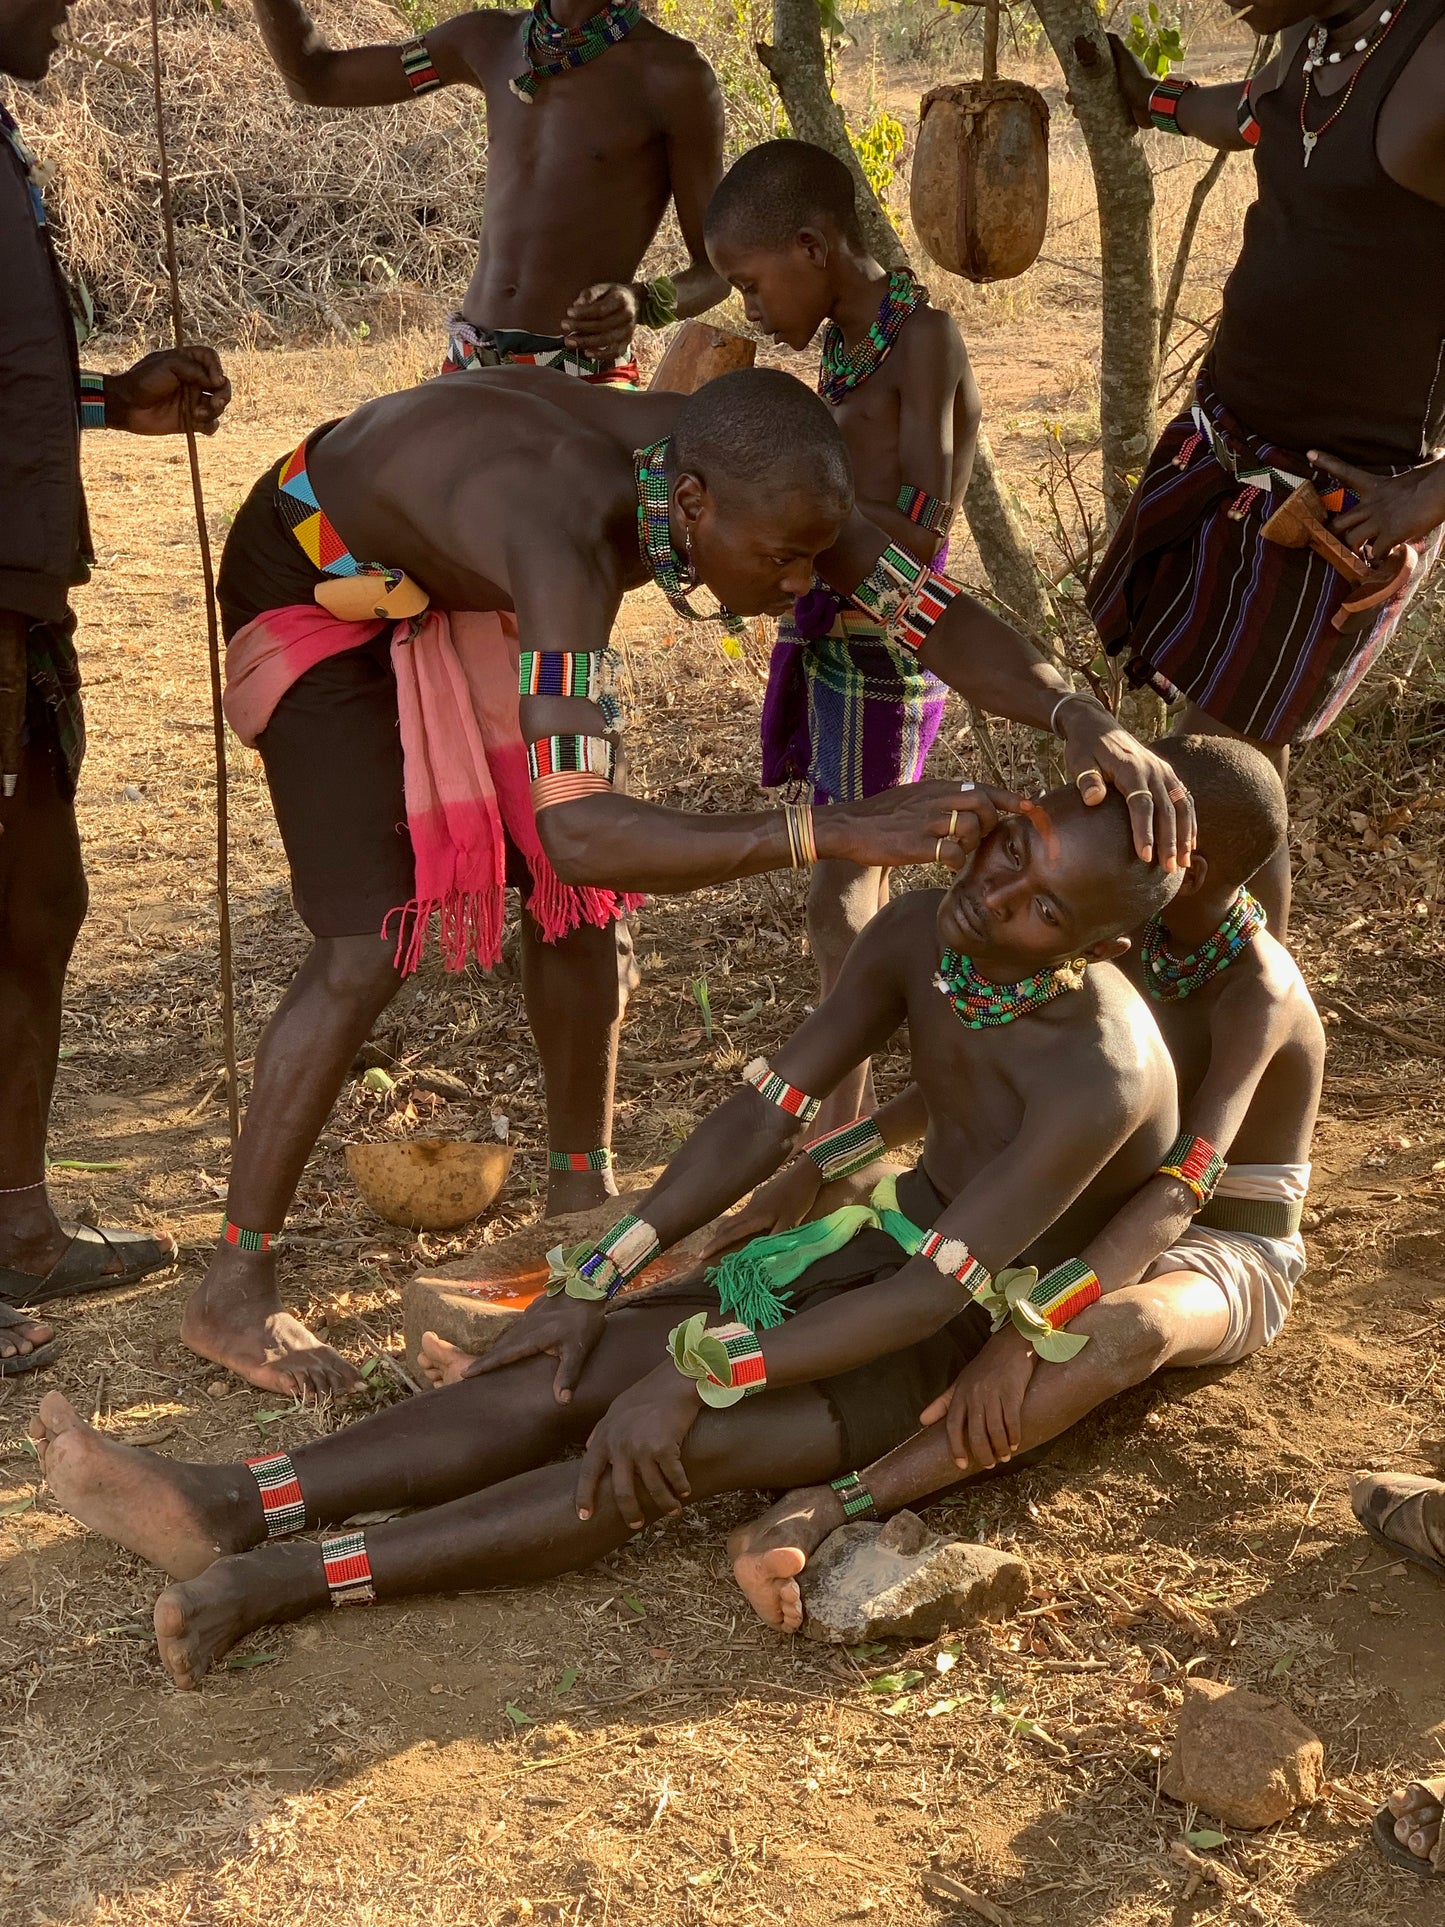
<point x="983" y="1005"/>
<point x="839" y="373"/>
<point x="552" y="49"/>
<point x="1168" y="978"/>
<point x="654" y="537"/>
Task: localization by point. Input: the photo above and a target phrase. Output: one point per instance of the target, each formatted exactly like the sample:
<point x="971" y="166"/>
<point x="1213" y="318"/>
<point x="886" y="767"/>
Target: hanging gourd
<point x="980" y="191"/>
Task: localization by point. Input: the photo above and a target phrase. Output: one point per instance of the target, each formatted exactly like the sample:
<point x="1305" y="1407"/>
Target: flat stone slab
<point x="900" y="1581"/>
<point x="1247" y="1760"/>
<point x="473" y="1300"/>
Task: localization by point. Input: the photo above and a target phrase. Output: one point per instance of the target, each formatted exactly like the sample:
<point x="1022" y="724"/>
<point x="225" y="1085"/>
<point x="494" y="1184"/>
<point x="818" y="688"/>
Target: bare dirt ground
<point x="627" y="1746"/>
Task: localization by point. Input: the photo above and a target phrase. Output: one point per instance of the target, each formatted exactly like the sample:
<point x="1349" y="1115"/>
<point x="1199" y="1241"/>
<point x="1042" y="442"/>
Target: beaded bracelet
<point x="1249" y="129"/>
<point x="849" y="1148"/>
<point x="1037" y="1307"/>
<point x="953" y="1258"/>
<point x="571" y="672"/>
<point x="924" y="509"/>
<point x="726" y="1363"/>
<point x="92" y="400"/>
<point x="419" y="67"/>
<point x="571" y="755"/>
<point x="777" y="1090"/>
<point x="858" y="1501"/>
<point x="1061" y="1294"/>
<point x="1164" y="104"/>
<point x="1195" y="1162"/>
<point x="600" y="1269"/>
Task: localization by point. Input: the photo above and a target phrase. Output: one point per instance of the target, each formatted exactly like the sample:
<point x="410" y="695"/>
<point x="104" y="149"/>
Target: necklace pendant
<point x="1310" y="142"/>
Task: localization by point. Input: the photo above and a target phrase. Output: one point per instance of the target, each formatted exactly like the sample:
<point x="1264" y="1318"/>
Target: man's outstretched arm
<point x="327" y="76"/>
<point x="1212" y="114"/>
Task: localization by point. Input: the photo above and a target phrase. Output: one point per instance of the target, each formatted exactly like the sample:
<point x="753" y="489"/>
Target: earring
<point x="687" y="555"/>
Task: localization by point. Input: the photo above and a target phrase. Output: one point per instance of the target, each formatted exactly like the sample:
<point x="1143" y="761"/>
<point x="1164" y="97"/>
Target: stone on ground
<point x="1246" y="1760"/>
<point x="900" y="1581"/>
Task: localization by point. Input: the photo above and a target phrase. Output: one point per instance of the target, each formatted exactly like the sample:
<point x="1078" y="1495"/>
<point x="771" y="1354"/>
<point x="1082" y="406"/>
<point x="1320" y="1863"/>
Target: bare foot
<point x="443" y="1362"/>
<point x="1417" y="1812"/>
<point x="235" y="1319"/>
<point x="179" y="1517"/>
<point x="198" y="1623"/>
<point x="769" y="1553"/>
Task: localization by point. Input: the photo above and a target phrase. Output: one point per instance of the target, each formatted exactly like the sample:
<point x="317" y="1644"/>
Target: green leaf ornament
<point x="703" y="1358"/>
<point x="563" y="1275"/>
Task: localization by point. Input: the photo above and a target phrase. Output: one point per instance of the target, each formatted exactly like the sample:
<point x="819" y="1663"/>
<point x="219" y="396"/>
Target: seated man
<point x="509" y="509"/>
<point x="1199" y="1268"/>
<point x="1050" y="1097"/>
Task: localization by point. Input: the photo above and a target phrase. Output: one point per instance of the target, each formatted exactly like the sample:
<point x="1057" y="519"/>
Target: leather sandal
<point x="33" y="1360"/>
<point x="94" y="1260"/>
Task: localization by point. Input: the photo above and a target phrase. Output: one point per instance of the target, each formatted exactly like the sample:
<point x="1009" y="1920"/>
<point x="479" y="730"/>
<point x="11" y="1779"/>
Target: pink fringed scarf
<point x="465" y="767"/>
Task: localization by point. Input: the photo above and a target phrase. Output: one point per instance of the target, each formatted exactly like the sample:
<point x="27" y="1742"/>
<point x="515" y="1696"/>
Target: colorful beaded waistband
<point x="312" y="527"/>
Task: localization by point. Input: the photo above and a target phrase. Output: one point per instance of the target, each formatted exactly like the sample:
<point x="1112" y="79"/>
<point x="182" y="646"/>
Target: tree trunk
<point x="799" y="71"/>
<point x="1124" y="188"/>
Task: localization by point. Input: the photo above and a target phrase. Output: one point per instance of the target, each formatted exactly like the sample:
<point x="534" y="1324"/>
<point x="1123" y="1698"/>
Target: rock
<point x="900" y="1581"/>
<point x="1246" y="1760"/>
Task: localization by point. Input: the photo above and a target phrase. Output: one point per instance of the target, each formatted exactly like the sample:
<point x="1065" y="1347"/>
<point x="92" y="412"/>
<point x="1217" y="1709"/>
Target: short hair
<point x="759" y="432"/>
<point x="779" y="188"/>
<point x="1139" y="889"/>
<point x="1239" y="801"/>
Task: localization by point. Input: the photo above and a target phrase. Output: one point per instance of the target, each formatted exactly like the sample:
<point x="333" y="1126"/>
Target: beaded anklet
<point x="598" y="1160"/>
<point x="348" y="1570"/>
<point x="419" y="67"/>
<point x="14" y="1190"/>
<point x="1195" y="1162"/>
<point x="849" y="1148"/>
<point x="600" y="1269"/>
<point x="777" y="1090"/>
<point x="1164" y="104"/>
<point x="726" y="1363"/>
<point x="92" y="400"/>
<point x="924" y="509"/>
<point x="282" y="1505"/>
<point x="802" y="844"/>
<point x="235" y="1234"/>
<point x="858" y="1501"/>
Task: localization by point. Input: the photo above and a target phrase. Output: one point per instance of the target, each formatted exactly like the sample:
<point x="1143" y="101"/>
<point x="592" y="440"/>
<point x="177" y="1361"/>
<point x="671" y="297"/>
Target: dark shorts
<point x="876" y="1406"/>
<point x="332" y="749"/>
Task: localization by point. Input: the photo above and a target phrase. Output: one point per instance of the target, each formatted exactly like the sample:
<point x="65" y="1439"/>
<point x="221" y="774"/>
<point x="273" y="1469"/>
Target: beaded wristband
<point x="419" y="67"/>
<point x="1061" y="1294"/>
<point x="849" y="1148"/>
<point x="895" y="577"/>
<point x="858" y="1501"/>
<point x="92" y="400"/>
<point x="658" y="306"/>
<point x="571" y="756"/>
<point x="726" y="1363"/>
<point x="953" y="1258"/>
<point x="348" y="1570"/>
<point x="598" y="1160"/>
<point x="1195" y="1162"/>
<point x="777" y="1090"/>
<point x="1249" y="129"/>
<point x="235" y="1234"/>
<point x="601" y="1269"/>
<point x="282" y="1505"/>
<point x="1164" y="104"/>
<point x="924" y="509"/>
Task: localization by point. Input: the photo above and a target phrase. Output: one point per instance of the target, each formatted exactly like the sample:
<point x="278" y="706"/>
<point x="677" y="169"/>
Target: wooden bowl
<point x="429" y="1183"/>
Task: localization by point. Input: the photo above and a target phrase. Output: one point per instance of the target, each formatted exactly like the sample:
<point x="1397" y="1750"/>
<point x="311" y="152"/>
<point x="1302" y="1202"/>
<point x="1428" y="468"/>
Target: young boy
<point x="1198" y="1269"/>
<point x="846" y="709"/>
<point x="1050" y="1097"/>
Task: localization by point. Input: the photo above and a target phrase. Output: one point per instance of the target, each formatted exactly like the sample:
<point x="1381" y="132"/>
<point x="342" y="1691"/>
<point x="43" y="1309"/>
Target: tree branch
<point x="1203" y="188"/>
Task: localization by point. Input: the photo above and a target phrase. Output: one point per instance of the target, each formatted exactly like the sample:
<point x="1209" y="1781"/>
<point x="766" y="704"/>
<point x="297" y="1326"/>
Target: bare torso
<point x="871" y="417"/>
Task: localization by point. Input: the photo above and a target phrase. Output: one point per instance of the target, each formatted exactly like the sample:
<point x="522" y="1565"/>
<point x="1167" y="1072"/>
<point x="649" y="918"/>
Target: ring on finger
<point x="1131" y="794"/>
<point x="938" y="851"/>
<point x="1085" y="774"/>
<point x="953" y="822"/>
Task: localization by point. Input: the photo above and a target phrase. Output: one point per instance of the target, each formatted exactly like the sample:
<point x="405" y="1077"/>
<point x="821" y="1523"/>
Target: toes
<point x="790" y="1603"/>
<point x="58" y="1415"/>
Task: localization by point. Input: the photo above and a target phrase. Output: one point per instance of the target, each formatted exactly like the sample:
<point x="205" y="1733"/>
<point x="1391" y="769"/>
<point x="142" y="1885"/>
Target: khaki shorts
<point x="1257" y="1278"/>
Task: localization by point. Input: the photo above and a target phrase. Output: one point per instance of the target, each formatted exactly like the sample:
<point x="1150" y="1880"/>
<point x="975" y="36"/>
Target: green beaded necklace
<point x="839" y="372"/>
<point x="986" y="1006"/>
<point x="654" y="538"/>
<point x="1168" y="978"/>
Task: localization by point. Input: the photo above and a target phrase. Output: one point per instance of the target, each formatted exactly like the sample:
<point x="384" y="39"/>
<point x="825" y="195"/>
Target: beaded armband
<point x="598" y="1160"/>
<point x="419" y="67"/>
<point x="895" y="579"/>
<point x="924" y="509"/>
<point x="348" y="1570"/>
<point x="777" y="1090"/>
<point x="858" y="1501"/>
<point x="600" y="1269"/>
<point x="726" y="1363"/>
<point x="1037" y="1307"/>
<point x="1195" y="1162"/>
<point x="658" y="306"/>
<point x="568" y="672"/>
<point x="565" y="767"/>
<point x="953" y="1258"/>
<point x="1245" y="120"/>
<point x="851" y="1147"/>
<point x="1164" y="104"/>
<point x="92" y="400"/>
<point x="1061" y="1294"/>
<point x="282" y="1506"/>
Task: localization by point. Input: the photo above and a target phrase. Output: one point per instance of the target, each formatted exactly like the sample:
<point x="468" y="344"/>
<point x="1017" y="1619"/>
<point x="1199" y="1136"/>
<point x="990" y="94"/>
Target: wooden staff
<point x="213" y="634"/>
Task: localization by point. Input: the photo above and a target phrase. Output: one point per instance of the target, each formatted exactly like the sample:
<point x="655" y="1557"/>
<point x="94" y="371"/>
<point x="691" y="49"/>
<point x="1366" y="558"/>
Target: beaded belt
<point x="371" y="588"/>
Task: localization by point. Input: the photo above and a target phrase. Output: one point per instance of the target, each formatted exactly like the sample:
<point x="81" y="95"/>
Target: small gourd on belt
<point x="980" y="189"/>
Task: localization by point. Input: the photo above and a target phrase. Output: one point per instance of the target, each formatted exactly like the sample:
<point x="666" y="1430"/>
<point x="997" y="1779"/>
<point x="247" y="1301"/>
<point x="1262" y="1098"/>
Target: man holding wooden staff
<point x="1328" y="369"/>
<point x="45" y="401"/>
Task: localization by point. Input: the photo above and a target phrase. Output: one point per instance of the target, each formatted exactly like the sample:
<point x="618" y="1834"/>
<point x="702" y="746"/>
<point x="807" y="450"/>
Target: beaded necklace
<point x="983" y="1005"/>
<point x="654" y="537"/>
<point x="839" y="372"/>
<point x="1168" y="978"/>
<point x="552" y="49"/>
<point x="1316" y="57"/>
